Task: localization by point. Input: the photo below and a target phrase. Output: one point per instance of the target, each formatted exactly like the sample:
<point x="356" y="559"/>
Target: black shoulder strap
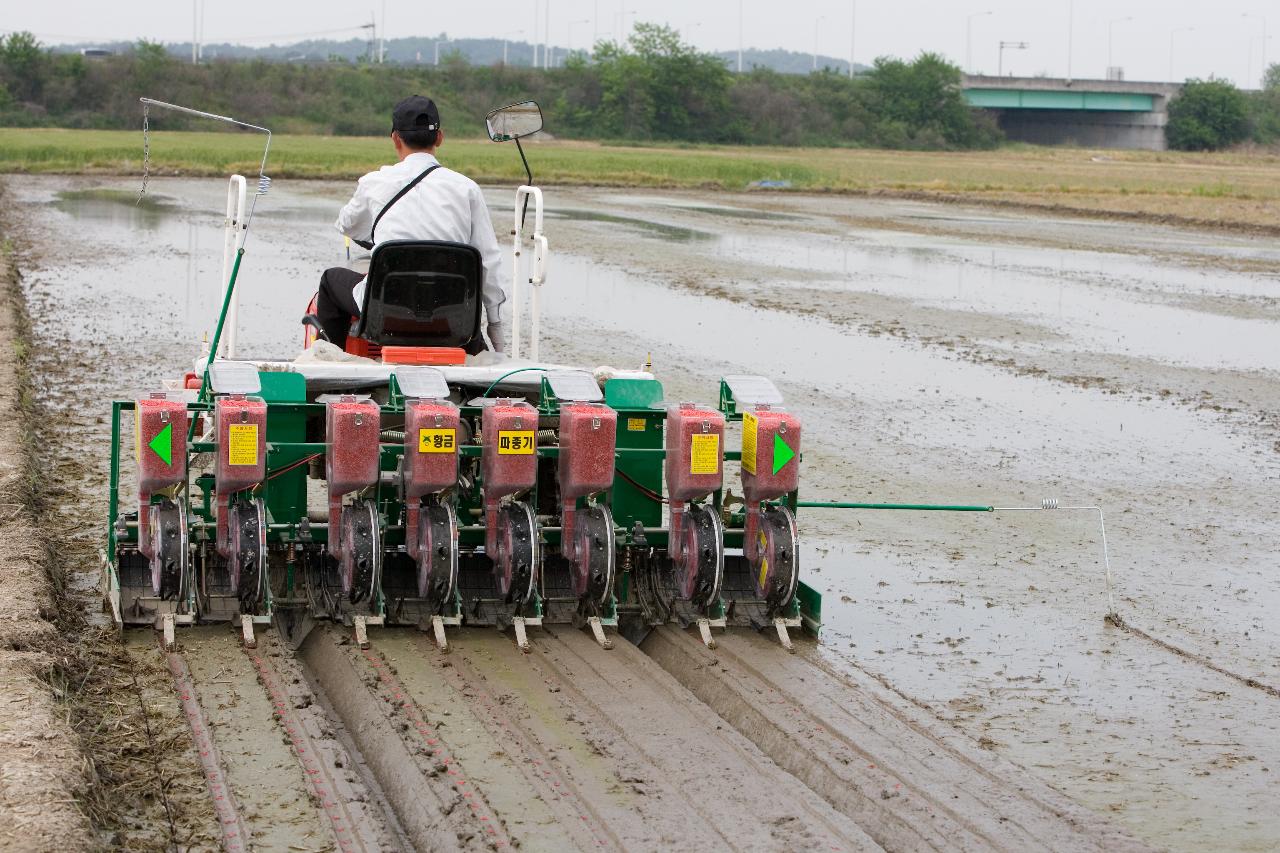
<point x="396" y="198"/>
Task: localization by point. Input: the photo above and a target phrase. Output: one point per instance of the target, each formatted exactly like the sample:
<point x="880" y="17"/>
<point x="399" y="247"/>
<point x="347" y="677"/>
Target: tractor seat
<point x="421" y="295"/>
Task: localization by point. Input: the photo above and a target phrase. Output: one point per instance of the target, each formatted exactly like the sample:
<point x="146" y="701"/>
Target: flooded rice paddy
<point x="936" y="355"/>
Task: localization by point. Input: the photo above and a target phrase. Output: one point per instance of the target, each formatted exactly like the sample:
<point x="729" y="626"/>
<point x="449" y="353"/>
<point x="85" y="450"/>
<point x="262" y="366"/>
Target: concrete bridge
<point x="1093" y="113"/>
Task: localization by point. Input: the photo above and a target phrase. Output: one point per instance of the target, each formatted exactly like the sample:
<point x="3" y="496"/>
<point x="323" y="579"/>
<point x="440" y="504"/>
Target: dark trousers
<point x="335" y="305"/>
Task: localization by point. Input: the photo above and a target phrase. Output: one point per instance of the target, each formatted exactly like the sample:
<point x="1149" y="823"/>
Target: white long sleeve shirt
<point x="445" y="205"/>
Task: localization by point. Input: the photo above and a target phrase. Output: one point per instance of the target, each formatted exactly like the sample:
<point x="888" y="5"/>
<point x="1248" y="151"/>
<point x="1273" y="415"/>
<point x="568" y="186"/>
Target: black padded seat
<point x="422" y="293"/>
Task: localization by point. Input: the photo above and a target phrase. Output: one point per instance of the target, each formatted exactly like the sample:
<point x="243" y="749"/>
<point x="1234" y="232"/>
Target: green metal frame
<point x="634" y="498"/>
<point x="1046" y="99"/>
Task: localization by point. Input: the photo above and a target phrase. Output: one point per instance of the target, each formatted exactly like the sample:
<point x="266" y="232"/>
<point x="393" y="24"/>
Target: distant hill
<point x="422" y="50"/>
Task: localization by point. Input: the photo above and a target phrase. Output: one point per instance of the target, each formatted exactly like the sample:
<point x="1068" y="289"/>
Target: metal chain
<point x="146" y="150"/>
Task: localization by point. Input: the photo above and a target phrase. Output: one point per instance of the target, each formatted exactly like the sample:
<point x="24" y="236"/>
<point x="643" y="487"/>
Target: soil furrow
<point x="634" y="702"/>
<point x="550" y="791"/>
<point x="1045" y="810"/>
<point x="402" y="752"/>
<point x="329" y="767"/>
<point x="872" y="758"/>
<point x="235" y="836"/>
<point x="262" y="772"/>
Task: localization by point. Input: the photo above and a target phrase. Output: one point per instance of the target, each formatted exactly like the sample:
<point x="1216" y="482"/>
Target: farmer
<point x="439" y="204"/>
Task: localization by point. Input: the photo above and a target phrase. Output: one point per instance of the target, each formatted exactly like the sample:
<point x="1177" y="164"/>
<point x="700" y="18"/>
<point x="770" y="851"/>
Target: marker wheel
<point x="171" y="564"/>
<point x="700" y="574"/>
<point x="777" y="565"/>
<point x="516" y="565"/>
<point x="437" y="554"/>
<point x="593" y="571"/>
<point x="360" y="562"/>
<point x="247" y="572"/>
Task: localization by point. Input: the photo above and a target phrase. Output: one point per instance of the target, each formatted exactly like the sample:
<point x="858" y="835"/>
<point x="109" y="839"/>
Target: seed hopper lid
<point x="326" y="399"/>
<point x="234" y="377"/>
<point x="422" y="383"/>
<point x="753" y="391"/>
<point x="574" y="386"/>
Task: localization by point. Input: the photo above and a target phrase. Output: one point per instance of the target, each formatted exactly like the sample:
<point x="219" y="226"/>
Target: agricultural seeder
<point x="418" y="485"/>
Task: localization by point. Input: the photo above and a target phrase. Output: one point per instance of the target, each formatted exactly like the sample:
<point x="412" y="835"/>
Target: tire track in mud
<point x="1247" y="680"/>
<point x="406" y="758"/>
<point x="552" y="798"/>
<point x="913" y="784"/>
<point x="235" y="837"/>
<point x="338" y="791"/>
<point x="638" y="708"/>
<point x="275" y="771"/>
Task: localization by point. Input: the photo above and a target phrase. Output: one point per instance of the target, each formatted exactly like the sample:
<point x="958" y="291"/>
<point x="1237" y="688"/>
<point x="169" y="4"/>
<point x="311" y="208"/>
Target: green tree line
<point x="654" y="88"/>
<point x="1212" y="114"/>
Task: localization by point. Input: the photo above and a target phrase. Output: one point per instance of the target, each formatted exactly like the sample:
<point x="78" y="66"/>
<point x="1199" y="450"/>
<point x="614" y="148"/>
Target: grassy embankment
<point x="1230" y="189"/>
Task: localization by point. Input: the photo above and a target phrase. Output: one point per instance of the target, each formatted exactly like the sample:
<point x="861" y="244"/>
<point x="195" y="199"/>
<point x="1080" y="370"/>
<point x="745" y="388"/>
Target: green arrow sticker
<point x="781" y="453"/>
<point x="162" y="444"/>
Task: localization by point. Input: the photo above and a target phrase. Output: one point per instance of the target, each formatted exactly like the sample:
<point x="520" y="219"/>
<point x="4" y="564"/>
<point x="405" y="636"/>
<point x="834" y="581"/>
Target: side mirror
<point x="514" y="121"/>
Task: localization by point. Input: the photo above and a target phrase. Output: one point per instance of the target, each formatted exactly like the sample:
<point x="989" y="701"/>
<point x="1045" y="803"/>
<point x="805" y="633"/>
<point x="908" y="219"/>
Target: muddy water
<point x="935" y="354"/>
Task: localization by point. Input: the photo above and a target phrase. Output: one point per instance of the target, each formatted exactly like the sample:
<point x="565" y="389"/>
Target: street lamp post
<point x="1264" y="42"/>
<point x="536" y="17"/>
<point x="853" y="32"/>
<point x="572" y="24"/>
<point x="506" y="40"/>
<point x="968" y="39"/>
<point x="1111" y="30"/>
<point x="1172" y="36"/>
<point x="1071" y="29"/>
<point x="739" y="36"/>
<point x="817" y="28"/>
<point x="1008" y="45"/>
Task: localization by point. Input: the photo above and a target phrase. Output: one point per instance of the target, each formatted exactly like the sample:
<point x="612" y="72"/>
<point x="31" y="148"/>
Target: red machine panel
<point x="242" y="443"/>
<point x="588" y="440"/>
<point x="430" y="447"/>
<point x="160" y="431"/>
<point x="351" y="430"/>
<point x="695" y="446"/>
<point x="509" y="460"/>
<point x="770" y="454"/>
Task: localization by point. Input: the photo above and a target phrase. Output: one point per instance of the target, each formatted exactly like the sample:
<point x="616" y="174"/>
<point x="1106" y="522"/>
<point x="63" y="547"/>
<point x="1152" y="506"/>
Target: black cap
<point x="415" y="113"/>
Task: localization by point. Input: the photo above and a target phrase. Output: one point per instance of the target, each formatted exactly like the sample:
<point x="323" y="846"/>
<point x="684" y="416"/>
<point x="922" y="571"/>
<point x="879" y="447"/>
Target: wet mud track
<point x="276" y="769"/>
<point x="912" y="782"/>
<point x="668" y="746"/>
<point x="575" y="747"/>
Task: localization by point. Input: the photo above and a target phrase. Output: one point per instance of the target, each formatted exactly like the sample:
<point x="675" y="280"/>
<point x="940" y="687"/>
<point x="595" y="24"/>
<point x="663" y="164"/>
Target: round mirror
<point x="514" y="122"/>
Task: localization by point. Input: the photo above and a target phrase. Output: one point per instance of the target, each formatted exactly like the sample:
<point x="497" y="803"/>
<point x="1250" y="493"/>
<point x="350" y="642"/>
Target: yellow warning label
<point x="242" y="444"/>
<point x="704" y="455"/>
<point x="749" y="425"/>
<point x="764" y="561"/>
<point x="635" y="424"/>
<point x="515" y="442"/>
<point x="436" y="441"/>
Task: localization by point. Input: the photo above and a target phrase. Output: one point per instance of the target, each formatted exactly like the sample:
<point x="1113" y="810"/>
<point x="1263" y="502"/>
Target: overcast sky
<point x="1209" y="38"/>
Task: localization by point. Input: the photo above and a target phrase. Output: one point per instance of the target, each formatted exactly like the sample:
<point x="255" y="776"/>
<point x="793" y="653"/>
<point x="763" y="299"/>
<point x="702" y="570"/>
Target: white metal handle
<point x="234" y="230"/>
<point x="537" y="270"/>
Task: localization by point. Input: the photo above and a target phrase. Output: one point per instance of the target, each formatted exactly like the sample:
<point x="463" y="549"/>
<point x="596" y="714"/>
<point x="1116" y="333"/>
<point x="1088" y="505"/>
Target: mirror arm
<point x="525" y="161"/>
<point x="529" y="176"/>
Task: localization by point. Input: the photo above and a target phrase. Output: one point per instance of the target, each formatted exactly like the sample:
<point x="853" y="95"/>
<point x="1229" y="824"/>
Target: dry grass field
<point x="1239" y="190"/>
